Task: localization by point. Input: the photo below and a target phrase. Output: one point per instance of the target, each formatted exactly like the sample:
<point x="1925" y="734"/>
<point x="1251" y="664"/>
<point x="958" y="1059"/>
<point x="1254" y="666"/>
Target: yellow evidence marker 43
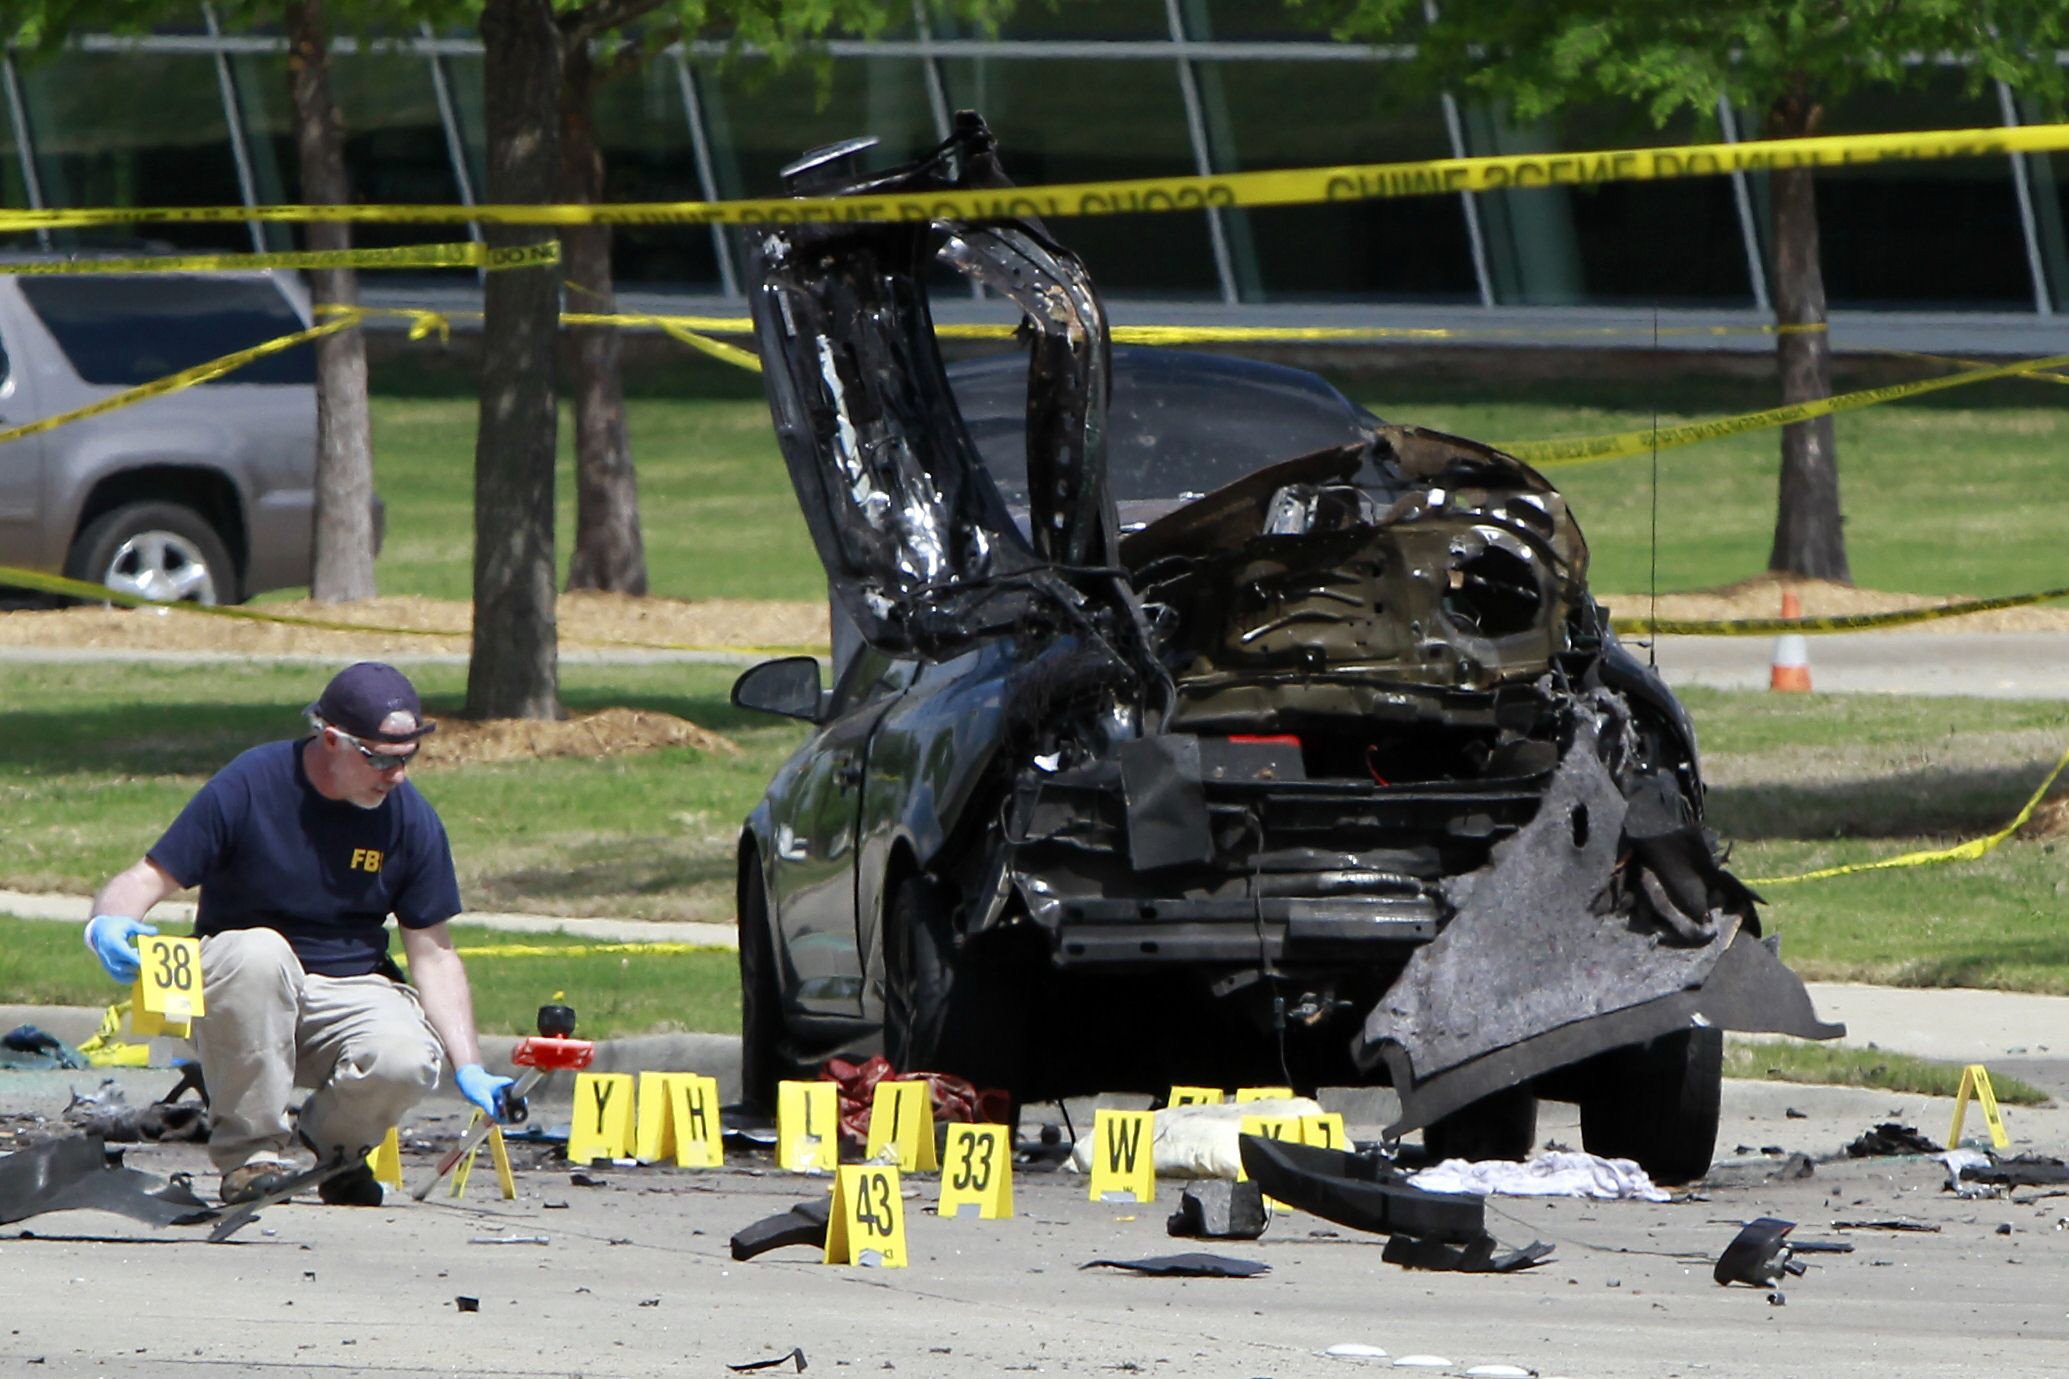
<point x="867" y="1223"/>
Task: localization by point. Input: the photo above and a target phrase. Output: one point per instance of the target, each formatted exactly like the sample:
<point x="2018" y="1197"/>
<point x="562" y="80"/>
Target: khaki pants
<point x="361" y="1043"/>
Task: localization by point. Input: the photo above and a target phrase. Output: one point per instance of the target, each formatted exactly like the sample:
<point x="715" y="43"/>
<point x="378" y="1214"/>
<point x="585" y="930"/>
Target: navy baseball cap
<point x="362" y="696"/>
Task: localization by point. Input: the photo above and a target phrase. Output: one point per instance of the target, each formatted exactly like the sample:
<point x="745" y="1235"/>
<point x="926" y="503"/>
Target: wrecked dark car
<point x="1191" y="725"/>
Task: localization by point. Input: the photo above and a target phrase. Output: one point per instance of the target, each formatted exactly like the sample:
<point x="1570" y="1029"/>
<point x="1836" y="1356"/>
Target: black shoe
<point x="254" y="1180"/>
<point x="355" y="1187"/>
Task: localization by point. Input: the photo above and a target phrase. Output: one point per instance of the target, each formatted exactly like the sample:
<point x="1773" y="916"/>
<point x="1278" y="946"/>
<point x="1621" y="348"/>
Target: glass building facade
<point x="1078" y="92"/>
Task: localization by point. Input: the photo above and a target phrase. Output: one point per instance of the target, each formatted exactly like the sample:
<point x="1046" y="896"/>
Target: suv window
<point x="122" y="331"/>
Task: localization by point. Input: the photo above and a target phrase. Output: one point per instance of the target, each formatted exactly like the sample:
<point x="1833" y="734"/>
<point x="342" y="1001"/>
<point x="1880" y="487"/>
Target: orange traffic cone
<point x="1790" y="670"/>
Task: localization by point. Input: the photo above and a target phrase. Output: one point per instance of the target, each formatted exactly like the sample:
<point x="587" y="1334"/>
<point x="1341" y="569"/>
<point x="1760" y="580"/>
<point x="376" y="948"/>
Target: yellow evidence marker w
<point x="1123" y="1156"/>
<point x="678" y="1118"/>
<point x="901" y="1116"/>
<point x="977" y="1172"/>
<point x="602" y="1124"/>
<point x="167" y="997"/>
<point x="867" y="1223"/>
<point x="808" y="1127"/>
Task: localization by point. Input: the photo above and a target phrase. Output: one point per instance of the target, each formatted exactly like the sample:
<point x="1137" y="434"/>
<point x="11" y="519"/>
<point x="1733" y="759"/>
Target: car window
<point x="121" y="331"/>
<point x="871" y="675"/>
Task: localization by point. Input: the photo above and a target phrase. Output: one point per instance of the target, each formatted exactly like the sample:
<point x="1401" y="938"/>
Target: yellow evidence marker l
<point x="901" y="1116"/>
<point x="1975" y="1080"/>
<point x="678" y="1118"/>
<point x="808" y="1127"/>
<point x="167" y="998"/>
<point x="867" y="1223"/>
<point x="1123" y="1156"/>
<point x="385" y="1159"/>
<point x="1194" y="1096"/>
<point x="602" y="1123"/>
<point x="977" y="1172"/>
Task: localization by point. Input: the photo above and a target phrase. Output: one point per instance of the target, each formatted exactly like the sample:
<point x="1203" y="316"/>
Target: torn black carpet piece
<point x="797" y="1353"/>
<point x="1891" y="1138"/>
<point x="1475" y="1257"/>
<point x="2024" y="1170"/>
<point x="75" y="1174"/>
<point x="1192" y="1265"/>
<point x="1362" y="1191"/>
<point x="803" y="1224"/>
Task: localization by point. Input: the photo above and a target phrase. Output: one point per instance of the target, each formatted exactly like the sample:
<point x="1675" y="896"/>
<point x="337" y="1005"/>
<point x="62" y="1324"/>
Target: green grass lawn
<point x="1953" y="475"/>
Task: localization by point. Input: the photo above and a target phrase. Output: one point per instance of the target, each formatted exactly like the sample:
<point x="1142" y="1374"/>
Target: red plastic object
<point x="538" y="1051"/>
<point x="1278" y="739"/>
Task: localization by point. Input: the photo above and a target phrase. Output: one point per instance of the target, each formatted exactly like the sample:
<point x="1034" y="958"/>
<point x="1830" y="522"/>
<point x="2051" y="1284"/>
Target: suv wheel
<point x="159" y="551"/>
<point x="762" y="1064"/>
<point x="1658" y="1104"/>
<point x="945" y="1009"/>
<point x="1501" y="1126"/>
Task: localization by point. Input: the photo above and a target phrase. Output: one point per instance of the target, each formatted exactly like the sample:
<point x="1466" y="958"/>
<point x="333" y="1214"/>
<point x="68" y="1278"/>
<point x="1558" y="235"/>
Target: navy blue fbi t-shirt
<point x="269" y="852"/>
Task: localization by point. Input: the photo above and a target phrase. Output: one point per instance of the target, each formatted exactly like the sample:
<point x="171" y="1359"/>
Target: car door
<point x="816" y="828"/>
<point x="21" y="461"/>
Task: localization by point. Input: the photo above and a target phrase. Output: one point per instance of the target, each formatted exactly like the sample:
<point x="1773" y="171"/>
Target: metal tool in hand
<point x="540" y="1056"/>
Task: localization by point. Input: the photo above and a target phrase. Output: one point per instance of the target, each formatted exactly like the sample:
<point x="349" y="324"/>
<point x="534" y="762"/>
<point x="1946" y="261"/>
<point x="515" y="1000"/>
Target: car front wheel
<point x="1501" y="1126"/>
<point x="163" y="552"/>
<point x="1658" y="1104"/>
<point x="946" y="1009"/>
<point x="761" y="1001"/>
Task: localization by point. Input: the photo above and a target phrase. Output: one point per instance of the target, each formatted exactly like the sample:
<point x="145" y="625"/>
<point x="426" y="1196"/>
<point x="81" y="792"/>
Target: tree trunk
<point x="609" y="553"/>
<point x="1809" y="539"/>
<point x="513" y="672"/>
<point x="344" y="565"/>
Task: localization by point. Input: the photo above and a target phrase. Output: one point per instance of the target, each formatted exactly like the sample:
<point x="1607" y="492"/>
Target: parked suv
<point x="205" y="495"/>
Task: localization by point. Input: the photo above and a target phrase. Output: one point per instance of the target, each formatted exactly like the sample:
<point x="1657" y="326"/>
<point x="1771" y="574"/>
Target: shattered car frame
<point x="1334" y="773"/>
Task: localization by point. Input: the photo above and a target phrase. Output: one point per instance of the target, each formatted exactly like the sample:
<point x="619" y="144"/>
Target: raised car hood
<point x="919" y="547"/>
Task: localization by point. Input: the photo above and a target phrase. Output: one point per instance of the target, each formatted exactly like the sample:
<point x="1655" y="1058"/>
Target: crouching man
<point x="301" y="850"/>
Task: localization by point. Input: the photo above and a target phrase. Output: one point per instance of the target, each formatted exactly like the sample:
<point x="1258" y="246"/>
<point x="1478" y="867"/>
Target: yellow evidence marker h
<point x="977" y="1172"/>
<point x="678" y="1118"/>
<point x="867" y="1223"/>
<point x="602" y="1123"/>
<point x="1123" y="1156"/>
<point x="1975" y="1080"/>
<point x="167" y="997"/>
<point x="808" y="1127"/>
<point x="901" y="1117"/>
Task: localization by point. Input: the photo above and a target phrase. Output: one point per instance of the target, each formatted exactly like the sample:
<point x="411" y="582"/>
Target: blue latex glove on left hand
<point x="109" y="936"/>
<point x="483" y="1088"/>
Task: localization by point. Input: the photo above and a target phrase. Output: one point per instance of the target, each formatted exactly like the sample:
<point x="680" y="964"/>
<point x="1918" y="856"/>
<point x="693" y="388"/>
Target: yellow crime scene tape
<point x="1969" y="851"/>
<point x="1852" y="622"/>
<point x="467" y="255"/>
<point x="1281" y="187"/>
<point x="1555" y="454"/>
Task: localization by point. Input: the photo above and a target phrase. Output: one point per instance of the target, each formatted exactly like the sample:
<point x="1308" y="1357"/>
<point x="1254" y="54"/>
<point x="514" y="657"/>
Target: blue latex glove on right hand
<point x="481" y="1087"/>
<point x="109" y="936"/>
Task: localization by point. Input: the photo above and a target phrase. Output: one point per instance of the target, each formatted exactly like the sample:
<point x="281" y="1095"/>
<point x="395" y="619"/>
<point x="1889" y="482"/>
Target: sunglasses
<point x="380" y="761"/>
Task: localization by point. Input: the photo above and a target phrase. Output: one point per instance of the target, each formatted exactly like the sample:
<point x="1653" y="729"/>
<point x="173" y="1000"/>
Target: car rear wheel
<point x="163" y="552"/>
<point x="761" y="1001"/>
<point x="1658" y="1104"/>
<point x="1501" y="1126"/>
<point x="946" y="1009"/>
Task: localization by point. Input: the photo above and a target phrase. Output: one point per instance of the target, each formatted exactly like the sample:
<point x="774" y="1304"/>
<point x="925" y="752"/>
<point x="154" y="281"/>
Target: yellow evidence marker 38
<point x="167" y="998"/>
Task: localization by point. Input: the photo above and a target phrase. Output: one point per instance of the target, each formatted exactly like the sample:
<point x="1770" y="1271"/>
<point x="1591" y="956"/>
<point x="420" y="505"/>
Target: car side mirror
<point x="788" y="687"/>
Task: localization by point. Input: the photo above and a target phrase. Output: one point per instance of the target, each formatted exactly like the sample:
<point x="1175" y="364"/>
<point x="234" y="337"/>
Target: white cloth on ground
<point x="1556" y="1173"/>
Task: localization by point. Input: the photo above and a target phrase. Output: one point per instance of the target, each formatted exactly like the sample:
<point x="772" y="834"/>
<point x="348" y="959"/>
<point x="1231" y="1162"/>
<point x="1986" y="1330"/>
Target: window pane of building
<point x="1087" y="120"/>
<point x="761" y="119"/>
<point x="1410" y="248"/>
<point x="164" y="142"/>
<point x="645" y="136"/>
<point x="1078" y="19"/>
<point x="395" y="147"/>
<point x="1935" y="233"/>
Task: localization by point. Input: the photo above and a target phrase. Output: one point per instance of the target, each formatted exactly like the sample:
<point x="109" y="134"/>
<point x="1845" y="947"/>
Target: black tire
<point x="762" y="1062"/>
<point x="946" y="1009"/>
<point x="1658" y="1104"/>
<point x="163" y="551"/>
<point x="1501" y="1126"/>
